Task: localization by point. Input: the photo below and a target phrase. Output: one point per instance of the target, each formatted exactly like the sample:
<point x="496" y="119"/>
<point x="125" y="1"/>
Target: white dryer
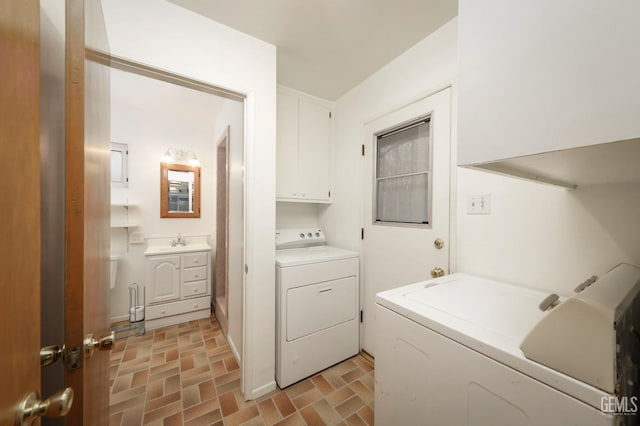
<point x="317" y="304"/>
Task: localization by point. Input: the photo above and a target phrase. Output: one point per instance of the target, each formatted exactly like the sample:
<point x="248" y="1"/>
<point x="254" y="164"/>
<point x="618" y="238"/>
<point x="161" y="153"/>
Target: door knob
<point x="105" y="343"/>
<point x="437" y="272"/>
<point x="438" y="243"/>
<point x="57" y="405"/>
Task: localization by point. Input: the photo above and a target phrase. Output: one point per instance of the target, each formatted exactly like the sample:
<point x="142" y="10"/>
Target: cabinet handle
<point x="195" y="275"/>
<point x="294" y="194"/>
<point x="195" y="290"/>
<point x="163" y="312"/>
<point x="195" y="306"/>
<point x="196" y="261"/>
<point x="304" y="195"/>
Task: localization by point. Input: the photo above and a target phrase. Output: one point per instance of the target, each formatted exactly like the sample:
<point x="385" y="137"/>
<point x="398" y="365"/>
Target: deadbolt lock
<point x="437" y="272"/>
<point x="71" y="356"/>
<point x="105" y="343"/>
<point x="438" y="243"/>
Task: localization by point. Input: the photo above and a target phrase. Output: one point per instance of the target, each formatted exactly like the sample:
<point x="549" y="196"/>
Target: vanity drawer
<point x="194" y="274"/>
<point x="195" y="288"/>
<point x="195" y="259"/>
<point x="177" y="308"/>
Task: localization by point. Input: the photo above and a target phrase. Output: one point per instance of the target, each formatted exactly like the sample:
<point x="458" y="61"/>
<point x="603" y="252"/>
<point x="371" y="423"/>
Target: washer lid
<point x="487" y="316"/>
<point x="306" y="255"/>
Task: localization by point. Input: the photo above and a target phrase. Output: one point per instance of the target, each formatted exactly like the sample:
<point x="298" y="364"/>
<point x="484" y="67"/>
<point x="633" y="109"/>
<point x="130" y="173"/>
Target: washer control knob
<point x="302" y="235"/>
<point x="318" y="234"/>
<point x="309" y="235"/>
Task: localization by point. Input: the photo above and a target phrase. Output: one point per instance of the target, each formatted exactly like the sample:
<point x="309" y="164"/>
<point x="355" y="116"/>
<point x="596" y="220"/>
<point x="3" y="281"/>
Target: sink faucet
<point x="179" y="242"/>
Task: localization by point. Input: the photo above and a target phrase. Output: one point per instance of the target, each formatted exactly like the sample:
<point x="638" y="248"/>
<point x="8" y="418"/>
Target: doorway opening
<point x="153" y="112"/>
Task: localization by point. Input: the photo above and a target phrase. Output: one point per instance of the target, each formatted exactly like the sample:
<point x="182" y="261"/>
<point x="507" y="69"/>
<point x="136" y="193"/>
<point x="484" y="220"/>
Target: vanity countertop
<point x="167" y="249"/>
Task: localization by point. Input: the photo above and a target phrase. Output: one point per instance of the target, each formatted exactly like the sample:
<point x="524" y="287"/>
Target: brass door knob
<point x="30" y="408"/>
<point x="438" y="243"/>
<point x="105" y="343"/>
<point x="437" y="272"/>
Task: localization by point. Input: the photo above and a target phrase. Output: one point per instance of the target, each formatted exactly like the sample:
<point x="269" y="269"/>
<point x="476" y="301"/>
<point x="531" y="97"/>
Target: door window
<point x="403" y="174"/>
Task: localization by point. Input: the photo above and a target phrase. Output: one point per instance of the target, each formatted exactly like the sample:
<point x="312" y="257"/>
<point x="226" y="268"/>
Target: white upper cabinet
<point x="542" y="76"/>
<point x="304" y="138"/>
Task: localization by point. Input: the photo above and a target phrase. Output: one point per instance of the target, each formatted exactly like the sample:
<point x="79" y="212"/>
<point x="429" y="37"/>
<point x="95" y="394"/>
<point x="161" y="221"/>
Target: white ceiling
<point x="326" y="47"/>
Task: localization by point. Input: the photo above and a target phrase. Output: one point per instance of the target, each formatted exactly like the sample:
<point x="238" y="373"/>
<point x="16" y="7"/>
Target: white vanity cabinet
<point x="163" y="276"/>
<point x="539" y="77"/>
<point x="178" y="286"/>
<point x="304" y="137"/>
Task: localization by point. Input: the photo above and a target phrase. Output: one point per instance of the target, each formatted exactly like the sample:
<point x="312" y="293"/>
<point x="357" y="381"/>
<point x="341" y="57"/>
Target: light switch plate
<point x="479" y="204"/>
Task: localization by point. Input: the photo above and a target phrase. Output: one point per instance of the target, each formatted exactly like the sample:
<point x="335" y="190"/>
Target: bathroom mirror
<point x="179" y="191"/>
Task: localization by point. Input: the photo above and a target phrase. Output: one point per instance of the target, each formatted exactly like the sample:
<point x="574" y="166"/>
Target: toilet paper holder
<point x="136" y="309"/>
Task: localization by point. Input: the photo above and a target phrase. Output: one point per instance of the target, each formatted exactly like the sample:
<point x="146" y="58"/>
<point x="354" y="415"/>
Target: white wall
<point x="232" y="114"/>
<point x="150" y="116"/>
<point x="427" y="66"/>
<point x="298" y="215"/>
<point x="165" y="36"/>
<point x="543" y="236"/>
<point x="537" y="235"/>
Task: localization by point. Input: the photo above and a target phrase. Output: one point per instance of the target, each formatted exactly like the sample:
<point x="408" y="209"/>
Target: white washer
<point x="448" y="354"/>
<point x="317" y="305"/>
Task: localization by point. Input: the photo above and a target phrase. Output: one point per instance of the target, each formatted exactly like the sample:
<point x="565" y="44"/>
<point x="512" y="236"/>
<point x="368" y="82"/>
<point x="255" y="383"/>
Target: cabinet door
<point x="163" y="278"/>
<point x="540" y="76"/>
<point x="314" y="150"/>
<point x="287" y="146"/>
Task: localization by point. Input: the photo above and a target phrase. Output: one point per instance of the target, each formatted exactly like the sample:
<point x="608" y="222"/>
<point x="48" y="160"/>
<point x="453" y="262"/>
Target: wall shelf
<point x="124" y="225"/>
<point x="120" y="215"/>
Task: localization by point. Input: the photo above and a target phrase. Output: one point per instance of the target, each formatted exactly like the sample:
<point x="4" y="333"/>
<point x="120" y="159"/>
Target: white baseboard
<point x="262" y="390"/>
<point x="234" y="350"/>
<point x="119" y="318"/>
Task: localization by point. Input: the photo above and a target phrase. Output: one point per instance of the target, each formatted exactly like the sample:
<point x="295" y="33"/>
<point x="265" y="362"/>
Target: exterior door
<point x="406" y="200"/>
<point x="86" y="209"/>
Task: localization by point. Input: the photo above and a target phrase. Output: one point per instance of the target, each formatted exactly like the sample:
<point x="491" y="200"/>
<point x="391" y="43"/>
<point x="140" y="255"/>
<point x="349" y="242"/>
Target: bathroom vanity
<point x="177" y="281"/>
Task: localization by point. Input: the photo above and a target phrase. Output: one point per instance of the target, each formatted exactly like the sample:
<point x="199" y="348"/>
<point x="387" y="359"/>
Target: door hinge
<point x="362" y="233"/>
<point x="363" y="150"/>
<point x="246" y="269"/>
<point x="329" y="194"/>
<point x="361" y="316"/>
<point x="329" y="114"/>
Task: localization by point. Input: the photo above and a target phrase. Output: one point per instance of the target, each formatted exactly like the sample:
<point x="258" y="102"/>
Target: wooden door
<point x="20" y="214"/>
<point x="87" y="207"/>
<point x="222" y="232"/>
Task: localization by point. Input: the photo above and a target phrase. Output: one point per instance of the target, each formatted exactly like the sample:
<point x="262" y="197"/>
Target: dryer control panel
<point x="299" y="237"/>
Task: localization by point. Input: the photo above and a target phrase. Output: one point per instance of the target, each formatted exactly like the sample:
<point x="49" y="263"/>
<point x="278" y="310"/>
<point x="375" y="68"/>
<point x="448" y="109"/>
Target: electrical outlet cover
<point x="136" y="238"/>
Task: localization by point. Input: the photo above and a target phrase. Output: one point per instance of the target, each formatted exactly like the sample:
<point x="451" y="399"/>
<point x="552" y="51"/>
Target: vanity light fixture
<point x="173" y="155"/>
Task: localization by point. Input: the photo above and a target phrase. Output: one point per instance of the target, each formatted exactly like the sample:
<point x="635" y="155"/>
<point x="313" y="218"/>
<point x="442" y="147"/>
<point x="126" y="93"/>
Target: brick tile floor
<point x="187" y="375"/>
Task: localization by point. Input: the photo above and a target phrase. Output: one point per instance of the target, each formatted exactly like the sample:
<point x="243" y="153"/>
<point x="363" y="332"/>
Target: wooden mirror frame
<point x="164" y="191"/>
